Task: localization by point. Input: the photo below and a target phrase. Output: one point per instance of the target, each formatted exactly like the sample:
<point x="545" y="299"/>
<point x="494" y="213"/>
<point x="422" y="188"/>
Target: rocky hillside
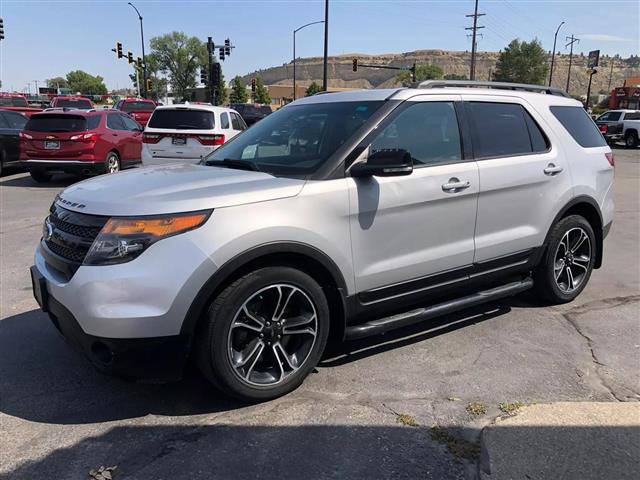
<point x="341" y="74"/>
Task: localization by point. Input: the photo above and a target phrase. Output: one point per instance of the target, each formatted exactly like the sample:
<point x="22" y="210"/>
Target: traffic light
<point x="139" y="62"/>
<point x="216" y="70"/>
<point x="1" y="29"/>
<point x="227" y="47"/>
<point x="203" y="75"/>
<point x="119" y="50"/>
<point x="253" y="85"/>
<point x="149" y="85"/>
<point x="221" y="51"/>
<point x="355" y="64"/>
<point x="130" y="57"/>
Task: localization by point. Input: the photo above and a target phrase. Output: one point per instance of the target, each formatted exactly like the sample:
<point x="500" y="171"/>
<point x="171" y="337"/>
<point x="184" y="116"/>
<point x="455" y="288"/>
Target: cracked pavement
<point x="60" y="419"/>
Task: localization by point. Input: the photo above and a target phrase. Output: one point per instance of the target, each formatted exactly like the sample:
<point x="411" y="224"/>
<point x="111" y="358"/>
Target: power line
<point x="572" y="39"/>
<point x="474" y="28"/>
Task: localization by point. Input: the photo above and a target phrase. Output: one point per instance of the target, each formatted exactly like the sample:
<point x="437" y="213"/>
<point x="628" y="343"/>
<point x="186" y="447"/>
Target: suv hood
<point x="174" y="188"/>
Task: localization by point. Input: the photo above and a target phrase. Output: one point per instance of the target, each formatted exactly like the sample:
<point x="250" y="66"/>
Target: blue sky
<point x="50" y="38"/>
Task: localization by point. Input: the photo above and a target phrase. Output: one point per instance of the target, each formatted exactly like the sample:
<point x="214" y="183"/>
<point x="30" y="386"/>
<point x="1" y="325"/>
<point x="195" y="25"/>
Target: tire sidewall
<point x="222" y="316"/>
<point x="631" y="140"/>
<point x="109" y="156"/>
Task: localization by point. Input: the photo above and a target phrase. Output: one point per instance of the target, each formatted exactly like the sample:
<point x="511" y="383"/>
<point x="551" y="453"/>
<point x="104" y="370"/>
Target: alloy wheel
<point x="113" y="165"/>
<point x="572" y="260"/>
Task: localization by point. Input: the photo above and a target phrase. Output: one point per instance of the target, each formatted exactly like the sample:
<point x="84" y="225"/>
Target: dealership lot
<point x="368" y="412"/>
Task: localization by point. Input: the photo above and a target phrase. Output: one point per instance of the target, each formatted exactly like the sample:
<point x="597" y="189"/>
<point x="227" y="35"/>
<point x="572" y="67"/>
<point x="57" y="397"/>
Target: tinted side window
<point x="579" y="125"/>
<point x="235" y="121"/>
<point x="93" y="121"/>
<point x="15" y="120"/>
<point x="539" y="141"/>
<point x="500" y="129"/>
<point x="224" y="120"/>
<point x="3" y="122"/>
<point x="114" y="122"/>
<point x="130" y="124"/>
<point x="632" y="116"/>
<point x="427" y="130"/>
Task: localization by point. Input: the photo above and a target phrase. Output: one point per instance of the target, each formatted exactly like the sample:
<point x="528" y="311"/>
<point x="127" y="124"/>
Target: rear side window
<point x="632" y="116"/>
<point x="235" y="121"/>
<point x="56" y="123"/>
<point x="114" y="122"/>
<point x="93" y="122"/>
<point x="224" y="120"/>
<point x="175" y="119"/>
<point x="138" y="107"/>
<point x="579" y="125"/>
<point x="504" y="129"/>
<point x="82" y="104"/>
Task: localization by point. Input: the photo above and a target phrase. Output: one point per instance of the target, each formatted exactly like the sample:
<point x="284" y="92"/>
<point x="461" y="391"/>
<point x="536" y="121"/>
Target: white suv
<point x="341" y="215"/>
<point x="187" y="132"/>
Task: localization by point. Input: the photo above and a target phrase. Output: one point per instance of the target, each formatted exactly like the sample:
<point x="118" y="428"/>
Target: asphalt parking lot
<point x="407" y="405"/>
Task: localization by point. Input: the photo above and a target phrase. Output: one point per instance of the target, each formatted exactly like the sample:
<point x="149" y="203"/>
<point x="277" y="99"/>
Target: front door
<point x="412" y="233"/>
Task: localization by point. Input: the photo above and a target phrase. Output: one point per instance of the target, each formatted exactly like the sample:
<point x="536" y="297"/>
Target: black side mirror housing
<point x="385" y="163"/>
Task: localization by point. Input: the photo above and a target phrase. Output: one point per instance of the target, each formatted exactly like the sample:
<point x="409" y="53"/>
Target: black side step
<point x="382" y="325"/>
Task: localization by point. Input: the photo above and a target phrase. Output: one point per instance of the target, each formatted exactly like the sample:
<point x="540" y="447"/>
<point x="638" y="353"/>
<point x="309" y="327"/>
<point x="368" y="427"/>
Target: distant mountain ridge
<point x="341" y="75"/>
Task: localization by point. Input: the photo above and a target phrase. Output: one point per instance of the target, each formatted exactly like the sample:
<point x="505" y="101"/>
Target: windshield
<point x="80" y="104"/>
<point x="138" y="107"/>
<point x="186" y="119"/>
<point x="13" y="102"/>
<point x="297" y="139"/>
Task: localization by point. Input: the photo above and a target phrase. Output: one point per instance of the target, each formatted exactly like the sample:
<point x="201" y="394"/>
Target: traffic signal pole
<point x="211" y="51"/>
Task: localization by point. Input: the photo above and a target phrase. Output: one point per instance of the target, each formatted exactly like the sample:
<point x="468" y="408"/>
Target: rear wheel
<point x="568" y="261"/>
<point x="40" y="175"/>
<point x="631" y="140"/>
<point x="112" y="162"/>
<point x="264" y="333"/>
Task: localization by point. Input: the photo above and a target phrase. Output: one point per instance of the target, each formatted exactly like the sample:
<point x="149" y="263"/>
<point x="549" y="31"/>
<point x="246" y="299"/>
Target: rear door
<point x="11" y="123"/>
<point x="119" y="135"/>
<point x="523" y="177"/>
<point x="134" y="141"/>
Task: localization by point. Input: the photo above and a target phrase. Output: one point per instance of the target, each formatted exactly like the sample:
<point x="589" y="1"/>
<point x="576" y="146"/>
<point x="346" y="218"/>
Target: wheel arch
<point x="301" y="256"/>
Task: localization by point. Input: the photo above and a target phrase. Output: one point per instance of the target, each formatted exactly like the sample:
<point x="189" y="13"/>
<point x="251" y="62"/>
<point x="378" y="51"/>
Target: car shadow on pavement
<point x="58" y="181"/>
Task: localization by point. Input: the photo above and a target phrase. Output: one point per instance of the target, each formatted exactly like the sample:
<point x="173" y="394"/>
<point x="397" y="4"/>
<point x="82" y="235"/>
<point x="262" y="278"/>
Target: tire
<point x="562" y="274"/>
<point x="40" y="176"/>
<point x="631" y="140"/>
<point x="112" y="163"/>
<point x="237" y="345"/>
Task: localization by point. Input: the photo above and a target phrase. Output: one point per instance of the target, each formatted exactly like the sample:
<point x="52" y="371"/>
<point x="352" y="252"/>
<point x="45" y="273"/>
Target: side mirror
<point x="384" y="163"/>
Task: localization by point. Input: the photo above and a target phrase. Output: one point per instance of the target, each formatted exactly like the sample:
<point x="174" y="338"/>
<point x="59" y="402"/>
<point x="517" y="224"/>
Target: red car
<point x="81" y="103"/>
<point x="17" y="103"/>
<point x="87" y="142"/>
<point x="140" y="109"/>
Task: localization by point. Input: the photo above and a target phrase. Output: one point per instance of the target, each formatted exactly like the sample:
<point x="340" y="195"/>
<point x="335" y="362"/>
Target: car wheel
<point x="631" y="140"/>
<point x="264" y="333"/>
<point x="40" y="176"/>
<point x="568" y="261"/>
<point x="112" y="163"/>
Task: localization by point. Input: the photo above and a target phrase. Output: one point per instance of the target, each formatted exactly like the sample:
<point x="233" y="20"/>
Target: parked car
<point x="187" y="132"/>
<point x="610" y="124"/>
<point x="86" y="142"/>
<point x="140" y="109"/>
<point x="80" y="103"/>
<point x="17" y="103"/>
<point x="10" y="125"/>
<point x="345" y="215"/>
<point x="251" y="113"/>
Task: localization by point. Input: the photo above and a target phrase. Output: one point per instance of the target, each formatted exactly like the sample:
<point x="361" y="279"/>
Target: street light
<point x="553" y="54"/>
<point x="144" y="60"/>
<point x="294" y="53"/>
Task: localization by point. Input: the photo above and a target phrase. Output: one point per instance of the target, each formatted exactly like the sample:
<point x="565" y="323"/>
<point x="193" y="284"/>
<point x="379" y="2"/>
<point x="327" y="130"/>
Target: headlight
<point x="124" y="238"/>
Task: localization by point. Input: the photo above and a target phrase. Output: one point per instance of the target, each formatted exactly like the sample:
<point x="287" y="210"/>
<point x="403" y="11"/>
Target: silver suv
<point x="339" y="216"/>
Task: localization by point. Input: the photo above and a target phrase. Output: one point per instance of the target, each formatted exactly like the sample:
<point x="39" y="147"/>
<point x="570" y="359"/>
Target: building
<point x="283" y="94"/>
<point x="627" y="96"/>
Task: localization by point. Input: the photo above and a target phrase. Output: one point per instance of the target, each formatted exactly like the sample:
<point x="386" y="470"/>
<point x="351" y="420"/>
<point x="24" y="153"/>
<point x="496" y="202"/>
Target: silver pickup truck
<point x="620" y="125"/>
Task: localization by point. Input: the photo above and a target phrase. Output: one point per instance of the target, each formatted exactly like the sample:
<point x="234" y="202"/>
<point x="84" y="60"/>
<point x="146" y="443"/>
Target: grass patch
<point x="510" y="408"/>
<point x="460" y="448"/>
<point x="476" y="408"/>
<point x="406" y="419"/>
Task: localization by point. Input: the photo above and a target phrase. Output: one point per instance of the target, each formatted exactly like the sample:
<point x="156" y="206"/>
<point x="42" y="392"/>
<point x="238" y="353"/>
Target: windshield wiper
<point x="231" y="163"/>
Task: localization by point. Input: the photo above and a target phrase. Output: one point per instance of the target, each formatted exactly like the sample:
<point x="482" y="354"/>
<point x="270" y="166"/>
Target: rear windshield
<point x="266" y="110"/>
<point x="56" y="123"/>
<point x="13" y="102"/>
<point x="579" y="125"/>
<point x="138" y="107"/>
<point x="82" y="104"/>
<point x="176" y="119"/>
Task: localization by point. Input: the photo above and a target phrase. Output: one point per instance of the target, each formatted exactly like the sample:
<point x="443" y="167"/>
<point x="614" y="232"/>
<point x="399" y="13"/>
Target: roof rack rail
<point x="497" y="85"/>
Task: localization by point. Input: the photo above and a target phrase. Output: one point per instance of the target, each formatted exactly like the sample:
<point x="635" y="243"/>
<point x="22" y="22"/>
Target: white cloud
<point x="602" y="37"/>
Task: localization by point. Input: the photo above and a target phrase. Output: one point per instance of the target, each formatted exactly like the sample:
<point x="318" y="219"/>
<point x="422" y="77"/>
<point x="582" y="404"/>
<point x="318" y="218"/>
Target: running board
<point x="375" y="327"/>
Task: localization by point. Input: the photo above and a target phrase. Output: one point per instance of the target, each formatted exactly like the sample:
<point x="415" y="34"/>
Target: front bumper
<point x="66" y="166"/>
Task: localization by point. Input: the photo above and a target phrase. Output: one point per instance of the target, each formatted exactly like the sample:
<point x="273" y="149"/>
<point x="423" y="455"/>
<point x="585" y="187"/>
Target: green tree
<point x="79" y="81"/>
<point x="221" y="91"/>
<point x="158" y="83"/>
<point x="455" y="76"/>
<point x="238" y="91"/>
<point x="522" y="62"/>
<point x="312" y="89"/>
<point x="423" y="72"/>
<point x="262" y="94"/>
<point x="57" y="82"/>
<point x="180" y="57"/>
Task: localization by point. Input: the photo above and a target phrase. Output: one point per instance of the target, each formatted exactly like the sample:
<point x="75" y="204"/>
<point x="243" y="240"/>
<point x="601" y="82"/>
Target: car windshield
<point x="182" y="119"/>
<point x="138" y="107"/>
<point x="297" y="139"/>
<point x="13" y="102"/>
<point x="81" y="104"/>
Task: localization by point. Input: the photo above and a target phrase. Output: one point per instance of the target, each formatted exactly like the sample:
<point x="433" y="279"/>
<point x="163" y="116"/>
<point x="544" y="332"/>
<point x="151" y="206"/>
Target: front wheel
<point x="568" y="260"/>
<point x="264" y="333"/>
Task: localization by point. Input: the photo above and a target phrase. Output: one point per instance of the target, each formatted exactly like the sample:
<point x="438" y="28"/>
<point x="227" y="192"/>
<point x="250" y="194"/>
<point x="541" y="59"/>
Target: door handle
<point x="454" y="185"/>
<point x="552" y="169"/>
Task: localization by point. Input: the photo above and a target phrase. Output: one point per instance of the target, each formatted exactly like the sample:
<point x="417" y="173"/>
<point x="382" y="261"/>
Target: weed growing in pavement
<point x="510" y="408"/>
<point x="476" y="409"/>
<point x="406" y="419"/>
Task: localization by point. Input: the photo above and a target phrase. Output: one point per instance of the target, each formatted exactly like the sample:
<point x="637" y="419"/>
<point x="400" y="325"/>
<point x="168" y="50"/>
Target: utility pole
<point x="571" y="40"/>
<point x="475" y="28"/>
<point x="144" y="59"/>
<point x="326" y="45"/>
<point x="37" y="91"/>
<point x="553" y="54"/>
<point x="294" y="52"/>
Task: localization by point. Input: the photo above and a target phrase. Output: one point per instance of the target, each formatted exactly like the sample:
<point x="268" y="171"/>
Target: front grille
<point x="72" y="235"/>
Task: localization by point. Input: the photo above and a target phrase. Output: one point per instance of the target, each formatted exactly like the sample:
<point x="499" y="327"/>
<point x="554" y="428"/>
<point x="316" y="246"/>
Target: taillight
<point x="210" y="139"/>
<point x="87" y="137"/>
<point x="603" y="128"/>
<point x="151" y="137"/>
<point x="610" y="158"/>
<point x="26" y="136"/>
